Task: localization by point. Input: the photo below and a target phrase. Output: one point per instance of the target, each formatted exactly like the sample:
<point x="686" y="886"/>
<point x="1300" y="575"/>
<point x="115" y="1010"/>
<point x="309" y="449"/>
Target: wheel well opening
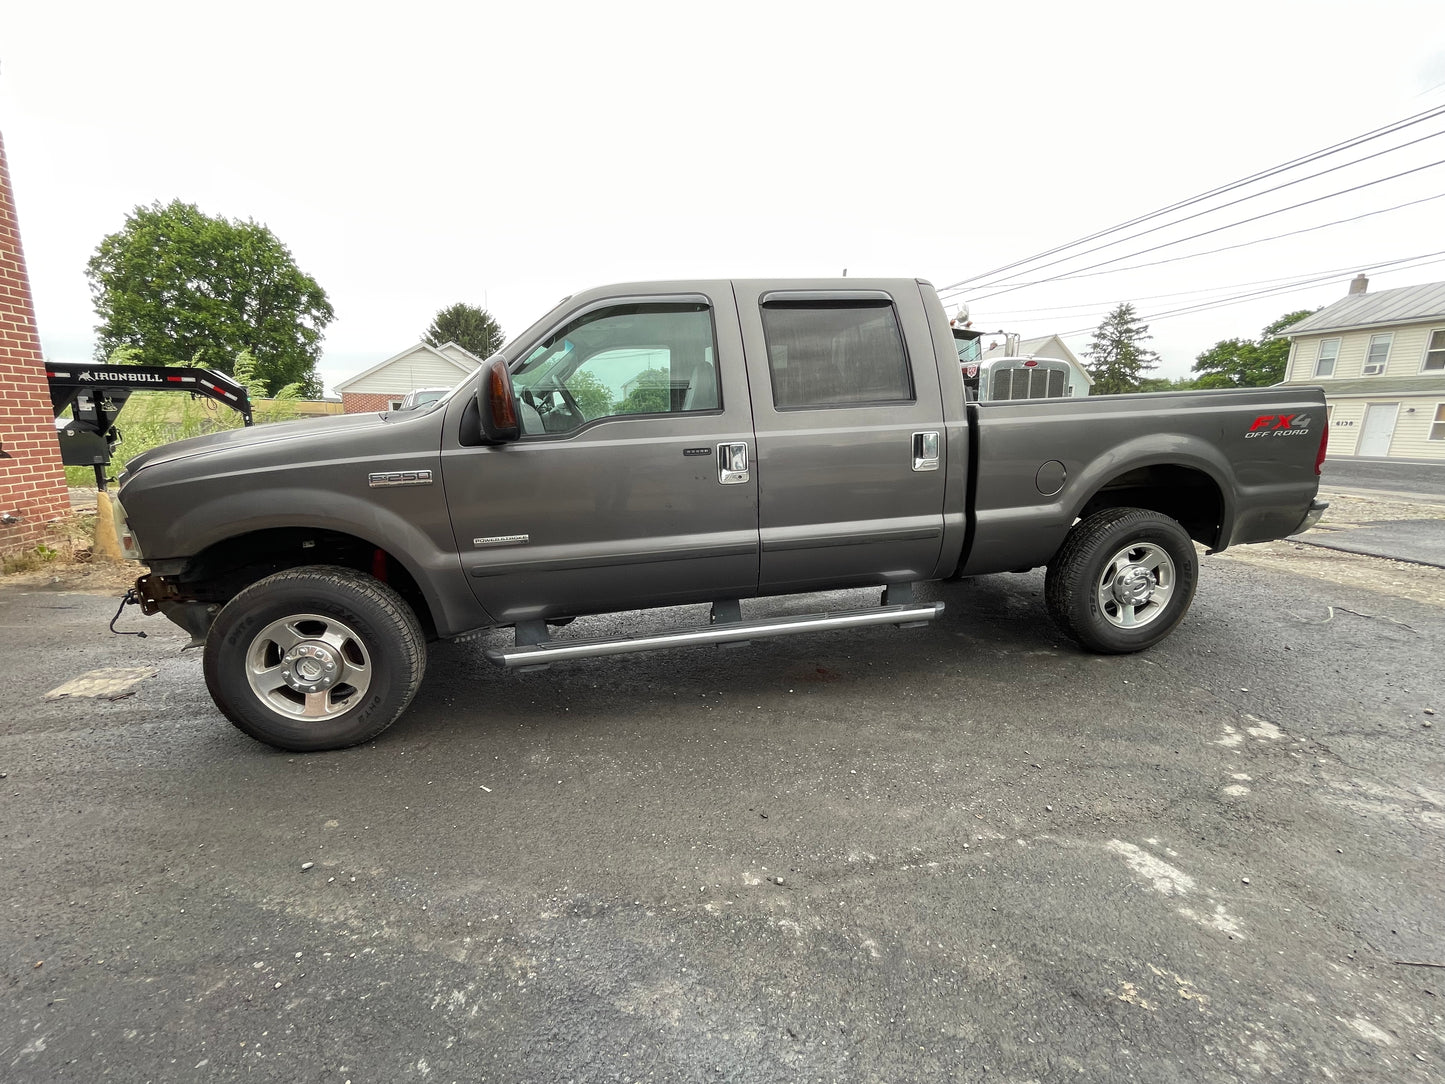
<point x="223" y="570"/>
<point x="1181" y="493"/>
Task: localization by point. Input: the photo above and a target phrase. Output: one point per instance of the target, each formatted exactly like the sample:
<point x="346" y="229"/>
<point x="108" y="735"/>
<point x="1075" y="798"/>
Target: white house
<point x="421" y="366"/>
<point x="1381" y="360"/>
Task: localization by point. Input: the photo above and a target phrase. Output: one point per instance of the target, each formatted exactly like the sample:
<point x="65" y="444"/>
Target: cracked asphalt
<point x="965" y="853"/>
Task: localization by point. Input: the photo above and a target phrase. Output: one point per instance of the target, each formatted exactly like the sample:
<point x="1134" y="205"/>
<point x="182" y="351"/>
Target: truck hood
<point x="254" y="436"/>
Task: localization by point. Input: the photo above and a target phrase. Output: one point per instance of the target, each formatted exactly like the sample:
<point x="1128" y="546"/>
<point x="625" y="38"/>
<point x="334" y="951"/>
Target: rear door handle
<point x="925" y="451"/>
<point x="732" y="463"/>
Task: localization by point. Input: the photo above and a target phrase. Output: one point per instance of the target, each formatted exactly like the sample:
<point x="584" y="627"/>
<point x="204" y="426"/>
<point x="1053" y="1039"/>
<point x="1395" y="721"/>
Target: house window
<point x="1437" y="430"/>
<point x="1378" y="354"/>
<point x="1325" y="360"/>
<point x="835" y="354"/>
<point x="1435" y="352"/>
<point x="393" y="404"/>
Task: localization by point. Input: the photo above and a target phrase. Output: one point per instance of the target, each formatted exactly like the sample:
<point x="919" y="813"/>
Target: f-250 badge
<point x="386" y="479"/>
<point x="1279" y="425"/>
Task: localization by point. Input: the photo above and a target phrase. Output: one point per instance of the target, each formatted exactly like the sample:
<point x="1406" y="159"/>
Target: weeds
<point x="71" y="540"/>
<point x="153" y="418"/>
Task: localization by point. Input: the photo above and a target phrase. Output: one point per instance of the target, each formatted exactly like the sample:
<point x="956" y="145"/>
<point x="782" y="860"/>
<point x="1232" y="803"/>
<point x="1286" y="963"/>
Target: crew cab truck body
<point x="663" y="443"/>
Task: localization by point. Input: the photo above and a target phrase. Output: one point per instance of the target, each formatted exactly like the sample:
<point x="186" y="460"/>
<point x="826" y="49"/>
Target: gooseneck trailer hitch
<point x="97" y="395"/>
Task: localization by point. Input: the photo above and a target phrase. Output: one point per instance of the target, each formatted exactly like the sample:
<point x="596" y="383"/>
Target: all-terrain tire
<point x="1122" y="580"/>
<point x="312" y="658"/>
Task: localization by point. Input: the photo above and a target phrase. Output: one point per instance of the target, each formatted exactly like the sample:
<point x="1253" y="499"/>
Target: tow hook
<point x="132" y="598"/>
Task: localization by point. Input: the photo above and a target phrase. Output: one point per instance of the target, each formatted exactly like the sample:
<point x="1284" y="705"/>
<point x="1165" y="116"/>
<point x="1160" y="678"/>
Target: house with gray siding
<point x="1381" y="360"/>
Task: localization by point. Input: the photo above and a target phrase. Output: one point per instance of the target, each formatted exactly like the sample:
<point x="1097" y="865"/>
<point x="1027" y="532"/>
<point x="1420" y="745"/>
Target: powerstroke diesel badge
<point x="1279" y="425"/>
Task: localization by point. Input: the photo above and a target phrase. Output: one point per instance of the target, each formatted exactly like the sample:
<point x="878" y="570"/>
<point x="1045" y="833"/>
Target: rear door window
<point x="835" y="354"/>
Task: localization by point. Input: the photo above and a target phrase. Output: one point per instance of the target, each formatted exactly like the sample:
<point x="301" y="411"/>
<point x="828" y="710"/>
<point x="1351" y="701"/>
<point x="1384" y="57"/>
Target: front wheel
<point x="314" y="658"/>
<point x="1122" y="580"/>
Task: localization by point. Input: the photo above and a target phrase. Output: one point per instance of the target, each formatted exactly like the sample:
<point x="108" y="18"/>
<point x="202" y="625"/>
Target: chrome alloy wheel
<point x="308" y="666"/>
<point x="1136" y="585"/>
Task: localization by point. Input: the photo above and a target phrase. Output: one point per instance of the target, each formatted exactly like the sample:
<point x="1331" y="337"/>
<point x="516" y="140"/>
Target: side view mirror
<point x="497" y="404"/>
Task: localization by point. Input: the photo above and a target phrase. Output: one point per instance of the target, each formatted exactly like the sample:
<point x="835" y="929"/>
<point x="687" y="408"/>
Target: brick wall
<point x="32" y="482"/>
<point x="366" y="402"/>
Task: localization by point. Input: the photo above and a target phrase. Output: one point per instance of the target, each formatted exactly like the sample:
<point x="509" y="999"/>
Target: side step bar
<point x="732" y="632"/>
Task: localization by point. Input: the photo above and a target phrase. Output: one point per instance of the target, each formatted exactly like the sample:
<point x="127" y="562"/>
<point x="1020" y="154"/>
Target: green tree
<point x="651" y="394"/>
<point x="246" y="374"/>
<point x="1120" y="358"/>
<point x="1164" y="383"/>
<point x="472" y="328"/>
<point x="593" y="397"/>
<point x="1245" y="363"/>
<point x="183" y="288"/>
<point x="124" y="355"/>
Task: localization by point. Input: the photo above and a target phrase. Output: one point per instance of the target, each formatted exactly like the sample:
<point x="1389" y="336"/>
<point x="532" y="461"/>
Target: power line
<point x="1324" y="152"/>
<point x="1404" y="263"/>
<point x="1221" y="207"/>
<point x="1241" y="222"/>
<point x="993" y="314"/>
<point x="1214" y="251"/>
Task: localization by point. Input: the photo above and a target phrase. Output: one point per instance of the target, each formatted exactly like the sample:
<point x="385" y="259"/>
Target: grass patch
<point x="153" y="418"/>
<point x="68" y="541"/>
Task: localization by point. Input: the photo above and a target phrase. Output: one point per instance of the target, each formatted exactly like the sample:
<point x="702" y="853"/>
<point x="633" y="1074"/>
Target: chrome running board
<point x="538" y="655"/>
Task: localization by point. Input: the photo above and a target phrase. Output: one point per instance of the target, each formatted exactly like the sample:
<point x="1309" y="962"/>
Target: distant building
<point x="1381" y="360"/>
<point x="383" y="386"/>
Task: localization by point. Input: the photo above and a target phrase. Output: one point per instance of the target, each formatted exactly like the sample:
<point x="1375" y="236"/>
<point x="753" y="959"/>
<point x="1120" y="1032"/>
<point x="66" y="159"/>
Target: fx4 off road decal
<point x="1279" y="425"/>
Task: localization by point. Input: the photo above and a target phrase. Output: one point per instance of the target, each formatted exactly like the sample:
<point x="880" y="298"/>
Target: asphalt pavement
<point x="1421" y="480"/>
<point x="1420" y="541"/>
<point x="1418" y="485"/>
<point x="968" y="852"/>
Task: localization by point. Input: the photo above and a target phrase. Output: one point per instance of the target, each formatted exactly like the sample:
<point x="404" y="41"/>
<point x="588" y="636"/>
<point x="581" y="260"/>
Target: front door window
<point x="639" y="359"/>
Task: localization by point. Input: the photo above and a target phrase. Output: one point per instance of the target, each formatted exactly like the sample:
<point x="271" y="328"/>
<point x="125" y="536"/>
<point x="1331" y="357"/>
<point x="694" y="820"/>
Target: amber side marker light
<point x="504" y="410"/>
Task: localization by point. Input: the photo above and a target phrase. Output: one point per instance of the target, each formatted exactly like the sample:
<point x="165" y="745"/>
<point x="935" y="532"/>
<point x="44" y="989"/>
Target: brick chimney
<point x="1359" y="284"/>
<point x="32" y="481"/>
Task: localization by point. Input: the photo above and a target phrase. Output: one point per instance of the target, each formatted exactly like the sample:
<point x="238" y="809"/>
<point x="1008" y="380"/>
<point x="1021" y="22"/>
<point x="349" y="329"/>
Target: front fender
<point x="409" y="523"/>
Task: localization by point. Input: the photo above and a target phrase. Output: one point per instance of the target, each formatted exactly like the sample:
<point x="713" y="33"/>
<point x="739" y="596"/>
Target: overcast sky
<point x="416" y="155"/>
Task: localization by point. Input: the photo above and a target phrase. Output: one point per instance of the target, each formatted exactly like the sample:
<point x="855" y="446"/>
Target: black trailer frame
<point x="97" y="395"/>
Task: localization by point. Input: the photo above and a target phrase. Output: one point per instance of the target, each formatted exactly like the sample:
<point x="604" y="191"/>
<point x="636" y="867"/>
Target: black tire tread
<point x="1069" y="573"/>
<point x="389" y="606"/>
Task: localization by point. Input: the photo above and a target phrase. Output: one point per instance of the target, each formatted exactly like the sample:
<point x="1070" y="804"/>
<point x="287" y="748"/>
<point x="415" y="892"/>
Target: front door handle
<point x="925" y="451"/>
<point x="732" y="463"/>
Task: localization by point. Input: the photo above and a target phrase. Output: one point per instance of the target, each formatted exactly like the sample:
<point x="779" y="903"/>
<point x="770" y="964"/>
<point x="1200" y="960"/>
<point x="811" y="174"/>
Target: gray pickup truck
<point x="666" y="443"/>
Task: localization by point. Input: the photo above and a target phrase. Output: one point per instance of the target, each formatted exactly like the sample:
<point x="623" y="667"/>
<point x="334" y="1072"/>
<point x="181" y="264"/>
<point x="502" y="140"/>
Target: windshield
<point x="969" y="347"/>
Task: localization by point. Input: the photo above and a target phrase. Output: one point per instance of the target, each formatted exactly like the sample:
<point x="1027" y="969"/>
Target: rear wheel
<point x="1122" y="580"/>
<point x="314" y="658"/>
